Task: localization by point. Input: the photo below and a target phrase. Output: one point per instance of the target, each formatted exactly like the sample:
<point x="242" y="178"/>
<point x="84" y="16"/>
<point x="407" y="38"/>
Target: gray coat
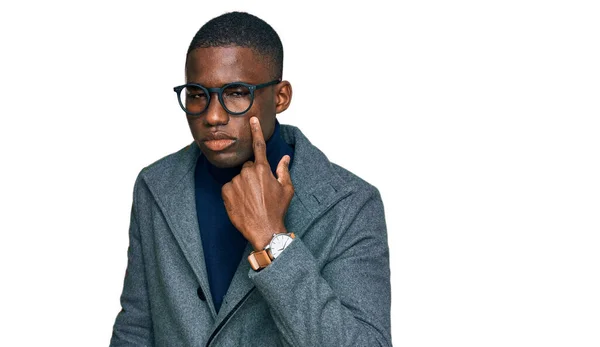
<point x="330" y="287"/>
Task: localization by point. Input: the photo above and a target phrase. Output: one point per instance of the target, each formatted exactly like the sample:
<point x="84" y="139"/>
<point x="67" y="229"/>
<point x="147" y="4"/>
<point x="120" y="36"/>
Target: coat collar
<point x="317" y="187"/>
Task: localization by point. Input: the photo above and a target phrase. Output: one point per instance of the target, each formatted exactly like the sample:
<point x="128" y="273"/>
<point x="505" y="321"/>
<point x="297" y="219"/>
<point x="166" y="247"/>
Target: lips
<point x="218" y="145"/>
<point x="218" y="141"/>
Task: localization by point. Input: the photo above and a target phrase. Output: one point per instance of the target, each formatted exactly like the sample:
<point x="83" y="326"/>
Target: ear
<point x="283" y="96"/>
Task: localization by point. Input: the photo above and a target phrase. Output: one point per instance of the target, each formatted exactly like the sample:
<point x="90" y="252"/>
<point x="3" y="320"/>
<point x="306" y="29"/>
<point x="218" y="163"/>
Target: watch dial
<point x="279" y="243"/>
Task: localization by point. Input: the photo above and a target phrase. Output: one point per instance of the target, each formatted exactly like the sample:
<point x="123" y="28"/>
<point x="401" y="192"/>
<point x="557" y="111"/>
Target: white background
<point x="477" y="121"/>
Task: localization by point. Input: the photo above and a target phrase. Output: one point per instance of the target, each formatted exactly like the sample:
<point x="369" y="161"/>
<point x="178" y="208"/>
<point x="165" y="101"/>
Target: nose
<point x="215" y="114"/>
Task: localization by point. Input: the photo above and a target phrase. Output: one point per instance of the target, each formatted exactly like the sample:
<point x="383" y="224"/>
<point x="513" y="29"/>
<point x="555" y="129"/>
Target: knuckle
<point x="262" y="167"/>
<point x="259" y="144"/>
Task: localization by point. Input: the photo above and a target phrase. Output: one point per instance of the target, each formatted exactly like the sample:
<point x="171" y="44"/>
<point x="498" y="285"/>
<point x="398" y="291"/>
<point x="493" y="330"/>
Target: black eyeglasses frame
<point x="219" y="91"/>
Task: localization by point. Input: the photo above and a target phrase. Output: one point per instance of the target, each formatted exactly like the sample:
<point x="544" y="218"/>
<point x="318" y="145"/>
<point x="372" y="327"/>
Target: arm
<point x="133" y="325"/>
<point x="347" y="302"/>
<point x="344" y="303"/>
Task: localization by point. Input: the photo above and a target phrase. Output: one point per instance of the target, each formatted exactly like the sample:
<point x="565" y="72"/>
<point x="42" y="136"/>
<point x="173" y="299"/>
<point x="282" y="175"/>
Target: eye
<point x="236" y="92"/>
<point x="196" y="96"/>
<point x="194" y="93"/>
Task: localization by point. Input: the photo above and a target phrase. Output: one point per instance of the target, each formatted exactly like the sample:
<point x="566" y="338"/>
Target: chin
<point x="224" y="164"/>
<point x="225" y="160"/>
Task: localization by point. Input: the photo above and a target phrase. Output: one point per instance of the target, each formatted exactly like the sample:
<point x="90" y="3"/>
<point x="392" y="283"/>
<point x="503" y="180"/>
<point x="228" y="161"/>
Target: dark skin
<point x="255" y="200"/>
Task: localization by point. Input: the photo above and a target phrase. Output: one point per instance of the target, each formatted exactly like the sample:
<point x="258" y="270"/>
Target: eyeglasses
<point x="236" y="98"/>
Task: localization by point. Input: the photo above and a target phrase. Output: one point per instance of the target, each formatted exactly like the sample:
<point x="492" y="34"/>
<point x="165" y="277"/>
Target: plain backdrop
<point x="476" y="120"/>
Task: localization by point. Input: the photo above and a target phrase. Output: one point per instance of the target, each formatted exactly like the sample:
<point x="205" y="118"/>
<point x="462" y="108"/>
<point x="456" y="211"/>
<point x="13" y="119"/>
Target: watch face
<point x="279" y="243"/>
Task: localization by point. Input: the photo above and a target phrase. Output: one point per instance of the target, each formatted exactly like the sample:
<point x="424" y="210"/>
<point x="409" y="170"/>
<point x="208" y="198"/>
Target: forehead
<point x="216" y="66"/>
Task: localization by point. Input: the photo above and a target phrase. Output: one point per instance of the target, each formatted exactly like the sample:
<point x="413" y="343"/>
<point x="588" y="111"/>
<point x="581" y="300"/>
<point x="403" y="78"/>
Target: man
<point x="250" y="236"/>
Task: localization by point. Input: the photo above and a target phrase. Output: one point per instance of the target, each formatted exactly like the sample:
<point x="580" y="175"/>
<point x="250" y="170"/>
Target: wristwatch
<point x="261" y="259"/>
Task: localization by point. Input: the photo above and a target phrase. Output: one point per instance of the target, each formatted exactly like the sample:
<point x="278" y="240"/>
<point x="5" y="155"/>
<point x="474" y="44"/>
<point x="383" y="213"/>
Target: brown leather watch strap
<point x="259" y="260"/>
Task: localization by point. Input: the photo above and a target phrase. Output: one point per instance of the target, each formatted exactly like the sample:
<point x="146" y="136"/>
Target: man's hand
<point x="255" y="200"/>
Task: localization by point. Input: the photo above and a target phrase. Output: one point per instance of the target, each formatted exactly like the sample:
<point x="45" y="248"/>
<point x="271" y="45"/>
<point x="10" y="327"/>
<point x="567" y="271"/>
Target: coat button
<point x="201" y="294"/>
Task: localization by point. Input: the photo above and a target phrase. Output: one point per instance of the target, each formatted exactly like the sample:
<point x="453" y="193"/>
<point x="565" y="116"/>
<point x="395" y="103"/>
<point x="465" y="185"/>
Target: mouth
<point x="218" y="145"/>
<point x="218" y="141"/>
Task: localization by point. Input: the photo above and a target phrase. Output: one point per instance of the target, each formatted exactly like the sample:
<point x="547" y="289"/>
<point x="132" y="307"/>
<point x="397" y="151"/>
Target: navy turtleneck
<point x="222" y="243"/>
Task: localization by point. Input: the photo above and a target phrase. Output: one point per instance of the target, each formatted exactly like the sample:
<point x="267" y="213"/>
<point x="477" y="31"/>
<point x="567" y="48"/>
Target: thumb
<point x="283" y="171"/>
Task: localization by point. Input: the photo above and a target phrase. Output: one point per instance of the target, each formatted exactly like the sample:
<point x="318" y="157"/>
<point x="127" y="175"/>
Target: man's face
<point x="214" y="67"/>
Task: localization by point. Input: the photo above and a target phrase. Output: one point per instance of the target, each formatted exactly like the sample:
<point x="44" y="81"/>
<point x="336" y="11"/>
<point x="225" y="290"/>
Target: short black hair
<point x="244" y="30"/>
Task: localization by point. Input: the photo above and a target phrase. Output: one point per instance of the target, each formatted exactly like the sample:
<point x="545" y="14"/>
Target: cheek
<point x="269" y="106"/>
<point x="194" y="124"/>
<point x="265" y="112"/>
<point x="241" y="127"/>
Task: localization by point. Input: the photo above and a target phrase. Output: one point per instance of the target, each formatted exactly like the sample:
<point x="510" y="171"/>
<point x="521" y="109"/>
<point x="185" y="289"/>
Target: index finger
<point x="258" y="141"/>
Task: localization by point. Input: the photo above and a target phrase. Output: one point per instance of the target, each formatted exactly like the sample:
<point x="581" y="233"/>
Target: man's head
<point x="235" y="47"/>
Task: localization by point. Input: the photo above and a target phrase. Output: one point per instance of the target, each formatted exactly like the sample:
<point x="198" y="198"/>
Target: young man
<point x="249" y="236"/>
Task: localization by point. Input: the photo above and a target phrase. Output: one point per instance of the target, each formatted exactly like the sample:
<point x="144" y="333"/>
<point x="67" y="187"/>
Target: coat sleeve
<point x="133" y="325"/>
<point x="344" y="303"/>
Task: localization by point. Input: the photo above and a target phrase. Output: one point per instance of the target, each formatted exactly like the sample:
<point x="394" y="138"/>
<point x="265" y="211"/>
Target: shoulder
<point x="170" y="162"/>
<point x="170" y="169"/>
<point x="358" y="184"/>
<point x="314" y="174"/>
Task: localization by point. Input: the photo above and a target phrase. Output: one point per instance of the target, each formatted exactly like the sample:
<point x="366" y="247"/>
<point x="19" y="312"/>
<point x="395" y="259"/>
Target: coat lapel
<point x="175" y="194"/>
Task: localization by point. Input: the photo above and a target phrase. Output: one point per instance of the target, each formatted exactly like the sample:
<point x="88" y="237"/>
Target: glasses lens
<point x="194" y="99"/>
<point x="237" y="98"/>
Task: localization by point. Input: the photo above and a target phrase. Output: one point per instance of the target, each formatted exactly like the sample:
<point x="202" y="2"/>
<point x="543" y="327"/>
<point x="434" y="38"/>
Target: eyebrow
<point x="233" y="82"/>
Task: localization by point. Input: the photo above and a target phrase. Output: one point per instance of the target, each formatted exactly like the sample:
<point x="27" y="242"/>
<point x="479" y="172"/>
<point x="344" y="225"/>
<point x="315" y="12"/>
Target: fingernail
<point x="253" y="120"/>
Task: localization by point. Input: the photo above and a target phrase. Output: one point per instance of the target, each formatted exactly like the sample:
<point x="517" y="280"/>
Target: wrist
<point x="260" y="245"/>
<point x="259" y="259"/>
<point x="262" y="242"/>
